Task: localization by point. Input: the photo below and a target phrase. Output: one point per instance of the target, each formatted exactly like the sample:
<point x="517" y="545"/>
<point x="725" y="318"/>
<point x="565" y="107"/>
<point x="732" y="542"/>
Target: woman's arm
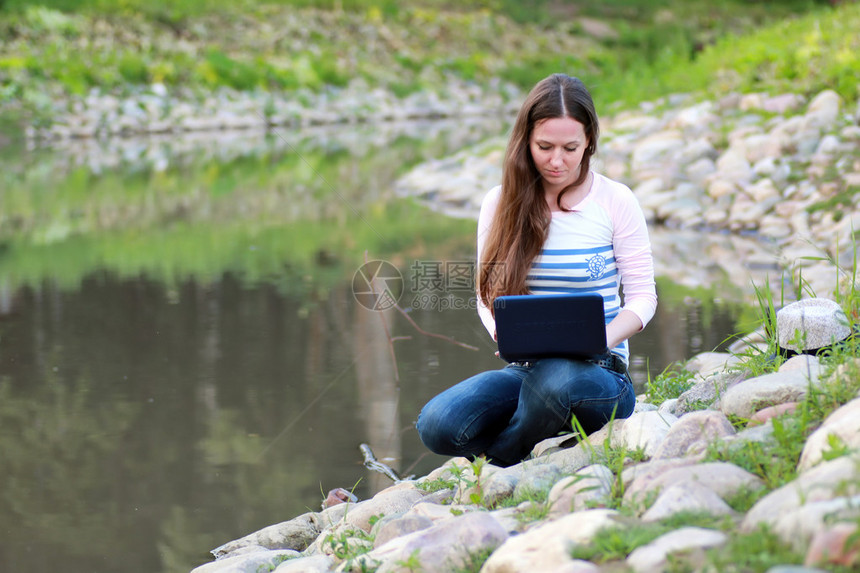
<point x="623" y="326"/>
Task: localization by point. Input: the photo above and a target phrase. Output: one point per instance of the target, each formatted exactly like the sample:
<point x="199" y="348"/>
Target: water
<point x="182" y="358"/>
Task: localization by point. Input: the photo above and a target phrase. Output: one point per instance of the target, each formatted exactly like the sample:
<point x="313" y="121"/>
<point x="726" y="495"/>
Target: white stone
<point x="645" y="430"/>
<point x="264" y="560"/>
<point x="841" y="428"/>
<point x="721" y="477"/>
<point x="824" y="481"/>
<point x="547" y="547"/>
<point x="705" y="425"/>
<point x="653" y="557"/>
<point x="734" y="166"/>
<point x="440" y="546"/>
<point x="819" y="322"/>
<point x="590" y="485"/>
<point x="686" y="496"/>
<point x="746" y="398"/>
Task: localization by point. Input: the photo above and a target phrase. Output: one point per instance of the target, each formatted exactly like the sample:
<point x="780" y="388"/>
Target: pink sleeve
<point x="485" y="218"/>
<point x="633" y="255"/>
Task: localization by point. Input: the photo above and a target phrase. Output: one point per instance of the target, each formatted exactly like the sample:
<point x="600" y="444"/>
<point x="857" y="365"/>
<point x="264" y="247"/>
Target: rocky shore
<point x="545" y="513"/>
<point x="780" y="169"/>
<point x="158" y="110"/>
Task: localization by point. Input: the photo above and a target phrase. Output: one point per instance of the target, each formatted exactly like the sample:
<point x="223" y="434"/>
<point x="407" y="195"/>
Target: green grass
<point x="653" y="50"/>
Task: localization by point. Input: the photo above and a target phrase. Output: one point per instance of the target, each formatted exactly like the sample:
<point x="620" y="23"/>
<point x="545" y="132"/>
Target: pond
<point x="183" y="359"/>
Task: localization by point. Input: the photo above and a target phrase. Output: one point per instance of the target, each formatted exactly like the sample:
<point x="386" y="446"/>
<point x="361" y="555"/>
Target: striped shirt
<point x="601" y="246"/>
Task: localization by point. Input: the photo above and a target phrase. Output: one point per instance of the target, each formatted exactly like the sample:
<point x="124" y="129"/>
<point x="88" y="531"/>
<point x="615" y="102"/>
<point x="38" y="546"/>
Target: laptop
<point x="529" y="327"/>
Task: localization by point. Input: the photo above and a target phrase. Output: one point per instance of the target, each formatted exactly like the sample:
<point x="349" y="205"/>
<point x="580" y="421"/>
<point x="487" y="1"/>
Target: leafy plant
<point x="671" y="383"/>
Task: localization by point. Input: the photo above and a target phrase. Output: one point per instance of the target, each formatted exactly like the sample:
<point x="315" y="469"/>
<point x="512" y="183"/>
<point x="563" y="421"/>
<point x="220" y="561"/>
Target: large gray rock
<point x="721" y="477"/>
<point x="810" y="324"/>
<point x="686" y="496"/>
<point x="645" y="430"/>
<point x="392" y="526"/>
<point x="295" y="534"/>
<point x="705" y="425"/>
<point x="654" y="556"/>
<point x="248" y="562"/>
<point x="547" y="547"/>
<point x="443" y="547"/>
<point x="705" y="393"/>
<point x="386" y="502"/>
<point x="537" y="480"/>
<point x="799" y="526"/>
<point x="823" y="482"/>
<point x="746" y="398"/>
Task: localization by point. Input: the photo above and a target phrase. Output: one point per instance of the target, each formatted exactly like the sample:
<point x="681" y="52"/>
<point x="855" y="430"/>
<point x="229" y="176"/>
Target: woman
<point x="553" y="226"/>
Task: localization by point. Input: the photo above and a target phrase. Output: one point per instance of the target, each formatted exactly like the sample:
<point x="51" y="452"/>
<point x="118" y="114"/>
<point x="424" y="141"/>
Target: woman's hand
<point x="622" y="327"/>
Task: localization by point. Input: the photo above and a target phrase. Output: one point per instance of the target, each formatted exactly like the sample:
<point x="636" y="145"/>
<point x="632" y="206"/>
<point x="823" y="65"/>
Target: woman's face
<point x="557" y="146"/>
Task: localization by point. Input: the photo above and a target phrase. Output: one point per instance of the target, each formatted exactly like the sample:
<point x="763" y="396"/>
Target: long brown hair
<point x="521" y="221"/>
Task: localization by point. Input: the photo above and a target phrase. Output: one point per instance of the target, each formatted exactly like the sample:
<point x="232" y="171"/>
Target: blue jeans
<point x="504" y="413"/>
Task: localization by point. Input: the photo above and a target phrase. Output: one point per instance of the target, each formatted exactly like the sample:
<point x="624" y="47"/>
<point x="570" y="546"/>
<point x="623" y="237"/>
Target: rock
<point x="766" y="414"/>
<point x="747" y="397"/>
<point x="554" y="444"/>
<point x="392" y="526"/>
<point x="500" y="485"/>
<point x="642" y="406"/>
<point x="583" y="454"/>
<point x="651" y="470"/>
<point x="590" y="486"/>
<point x="442" y="547"/>
<point x="547" y="547"/>
<point x="734" y="166"/>
<point x="686" y="496"/>
<point x="436" y="512"/>
<point x="645" y="430"/>
<point x="537" y="479"/>
<point x="835" y="545"/>
<point x="705" y="425"/>
<point x="764" y="190"/>
<point x="721" y="477"/>
<point x="705" y="393"/>
<point x="248" y="562"/>
<point x="699" y="171"/>
<point x="295" y="534"/>
<point x="385" y="502"/>
<point x="782" y="103"/>
<point x="803" y="362"/>
<point x="811" y="324"/>
<point x="649" y="151"/>
<point x="823" y="110"/>
<point x="817" y="484"/>
<point x="654" y="556"/>
<point x="668" y="407"/>
<point x="310" y="564"/>
<point x="840" y="431"/>
<point x="708" y="363"/>
<point x="337" y="496"/>
<point x="799" y="526"/>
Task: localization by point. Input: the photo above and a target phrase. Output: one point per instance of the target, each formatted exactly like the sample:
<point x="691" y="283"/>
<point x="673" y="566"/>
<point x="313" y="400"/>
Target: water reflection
<point x="139" y="429"/>
<point x="182" y="360"/>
